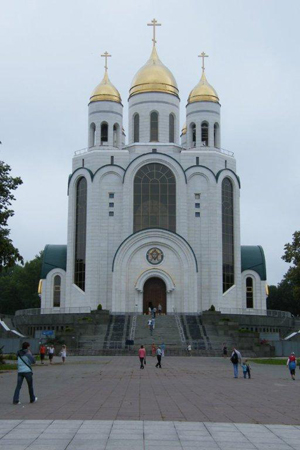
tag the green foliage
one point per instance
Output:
(68, 329)
(99, 307)
(243, 330)
(2, 360)
(85, 319)
(212, 308)
(286, 295)
(11, 357)
(18, 286)
(8, 367)
(9, 255)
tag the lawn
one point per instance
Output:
(274, 362)
(8, 367)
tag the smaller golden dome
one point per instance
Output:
(105, 91)
(184, 129)
(203, 92)
(154, 76)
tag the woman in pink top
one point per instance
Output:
(142, 355)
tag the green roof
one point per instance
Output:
(253, 258)
(55, 257)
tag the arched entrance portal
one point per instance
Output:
(155, 293)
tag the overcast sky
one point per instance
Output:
(50, 63)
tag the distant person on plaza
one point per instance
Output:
(158, 356)
(151, 328)
(25, 361)
(163, 348)
(248, 368)
(224, 350)
(51, 352)
(159, 309)
(149, 310)
(142, 356)
(236, 359)
(189, 349)
(43, 350)
(154, 312)
(292, 364)
(63, 353)
(153, 349)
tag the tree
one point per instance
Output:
(286, 296)
(18, 286)
(9, 255)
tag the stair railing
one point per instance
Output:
(179, 326)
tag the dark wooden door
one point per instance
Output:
(155, 293)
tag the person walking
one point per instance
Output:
(158, 356)
(159, 309)
(151, 328)
(51, 352)
(142, 356)
(63, 353)
(43, 350)
(292, 364)
(236, 359)
(25, 361)
(154, 312)
(189, 349)
(224, 350)
(163, 348)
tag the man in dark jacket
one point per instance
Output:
(25, 360)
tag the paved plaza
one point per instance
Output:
(192, 402)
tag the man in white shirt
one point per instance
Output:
(158, 356)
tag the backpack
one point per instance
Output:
(234, 359)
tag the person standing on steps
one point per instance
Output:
(236, 359)
(158, 356)
(142, 356)
(159, 309)
(25, 361)
(151, 328)
(292, 364)
(154, 312)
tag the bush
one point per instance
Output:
(85, 319)
(99, 307)
(212, 308)
(2, 360)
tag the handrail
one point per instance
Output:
(133, 328)
(179, 326)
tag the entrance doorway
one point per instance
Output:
(155, 293)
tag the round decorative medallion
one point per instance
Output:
(154, 256)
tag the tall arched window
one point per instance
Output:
(193, 134)
(80, 233)
(171, 128)
(249, 292)
(104, 132)
(154, 127)
(56, 291)
(116, 135)
(227, 234)
(154, 198)
(136, 128)
(216, 135)
(204, 134)
(92, 135)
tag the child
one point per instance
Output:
(248, 368)
(63, 353)
(244, 367)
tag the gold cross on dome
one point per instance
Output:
(106, 55)
(203, 55)
(154, 24)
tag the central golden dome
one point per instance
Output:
(154, 76)
(105, 91)
(203, 92)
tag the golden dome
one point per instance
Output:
(184, 129)
(154, 76)
(105, 91)
(203, 92)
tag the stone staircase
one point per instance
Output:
(166, 331)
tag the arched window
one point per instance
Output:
(154, 127)
(104, 132)
(216, 135)
(249, 292)
(154, 198)
(204, 134)
(116, 135)
(92, 135)
(227, 234)
(193, 134)
(80, 233)
(136, 128)
(171, 128)
(56, 291)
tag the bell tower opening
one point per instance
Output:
(155, 293)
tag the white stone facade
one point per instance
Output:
(116, 265)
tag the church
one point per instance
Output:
(154, 219)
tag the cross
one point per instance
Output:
(106, 55)
(154, 24)
(203, 55)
